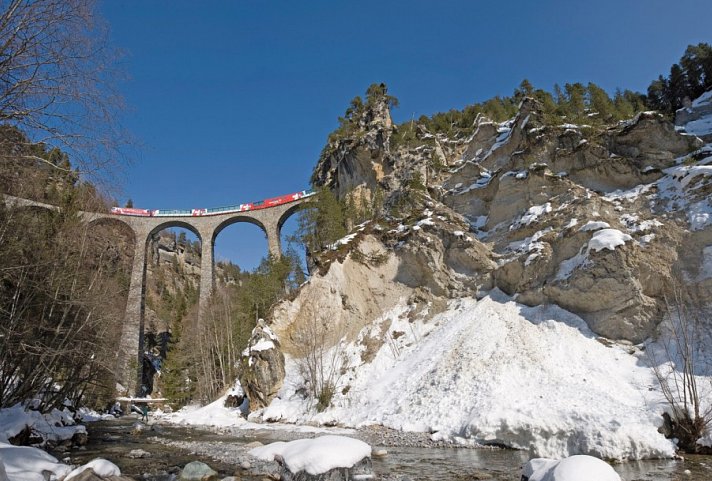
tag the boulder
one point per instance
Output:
(262, 366)
(197, 471)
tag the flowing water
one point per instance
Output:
(172, 447)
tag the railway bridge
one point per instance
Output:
(207, 224)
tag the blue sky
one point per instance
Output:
(232, 101)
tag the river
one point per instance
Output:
(171, 447)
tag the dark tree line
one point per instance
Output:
(689, 78)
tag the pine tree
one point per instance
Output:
(575, 102)
(600, 103)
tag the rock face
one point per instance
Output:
(506, 207)
(262, 366)
(357, 164)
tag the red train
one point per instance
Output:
(262, 204)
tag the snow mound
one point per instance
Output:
(213, 414)
(575, 468)
(53, 426)
(316, 456)
(496, 372)
(27, 464)
(100, 466)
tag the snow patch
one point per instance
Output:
(594, 225)
(316, 456)
(608, 239)
(533, 213)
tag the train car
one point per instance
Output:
(261, 204)
(131, 211)
(172, 213)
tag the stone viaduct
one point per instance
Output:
(207, 228)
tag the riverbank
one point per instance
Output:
(409, 455)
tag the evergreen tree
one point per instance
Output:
(688, 79)
(600, 103)
(525, 89)
(575, 106)
(322, 223)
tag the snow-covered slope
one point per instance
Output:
(495, 371)
(697, 118)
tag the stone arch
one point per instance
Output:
(235, 220)
(241, 218)
(111, 220)
(293, 209)
(174, 223)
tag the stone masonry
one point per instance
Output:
(207, 228)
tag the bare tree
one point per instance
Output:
(56, 78)
(679, 366)
(320, 357)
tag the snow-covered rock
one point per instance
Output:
(262, 366)
(574, 468)
(101, 467)
(319, 456)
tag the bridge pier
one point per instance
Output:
(207, 271)
(273, 240)
(130, 359)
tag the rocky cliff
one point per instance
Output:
(601, 221)
(593, 219)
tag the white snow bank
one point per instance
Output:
(316, 456)
(53, 426)
(213, 414)
(575, 468)
(100, 466)
(495, 371)
(608, 239)
(27, 464)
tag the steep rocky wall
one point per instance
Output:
(523, 189)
